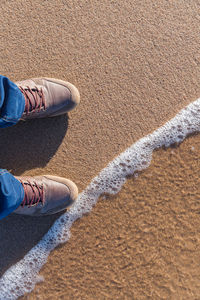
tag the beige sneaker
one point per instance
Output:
(47, 97)
(46, 195)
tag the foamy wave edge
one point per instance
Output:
(22, 277)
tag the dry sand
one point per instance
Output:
(136, 64)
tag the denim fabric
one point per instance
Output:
(12, 103)
(11, 193)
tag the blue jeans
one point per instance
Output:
(12, 104)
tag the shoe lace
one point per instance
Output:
(34, 99)
(33, 193)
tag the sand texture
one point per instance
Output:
(143, 243)
(136, 64)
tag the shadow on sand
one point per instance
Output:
(23, 147)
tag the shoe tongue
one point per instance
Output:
(31, 103)
(31, 193)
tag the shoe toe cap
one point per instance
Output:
(66, 92)
(63, 194)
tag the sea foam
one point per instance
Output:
(22, 277)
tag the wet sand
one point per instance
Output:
(136, 64)
(143, 243)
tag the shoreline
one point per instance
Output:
(144, 246)
(110, 181)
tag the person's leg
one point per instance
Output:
(12, 102)
(35, 98)
(11, 193)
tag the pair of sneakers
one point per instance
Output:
(47, 194)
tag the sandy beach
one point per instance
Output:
(136, 64)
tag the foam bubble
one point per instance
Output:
(22, 277)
